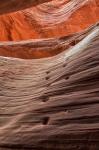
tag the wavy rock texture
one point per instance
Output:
(40, 48)
(53, 19)
(49, 20)
(52, 103)
(49, 103)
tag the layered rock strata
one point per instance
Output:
(52, 103)
(49, 20)
(49, 103)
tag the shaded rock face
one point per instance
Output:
(15, 5)
(50, 103)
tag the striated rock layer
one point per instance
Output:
(49, 103)
(48, 25)
(54, 19)
(52, 103)
(42, 47)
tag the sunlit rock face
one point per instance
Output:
(53, 19)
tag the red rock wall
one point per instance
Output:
(49, 20)
(35, 22)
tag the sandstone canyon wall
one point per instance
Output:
(49, 103)
(54, 19)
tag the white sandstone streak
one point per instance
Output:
(82, 45)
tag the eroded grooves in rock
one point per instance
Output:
(52, 103)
